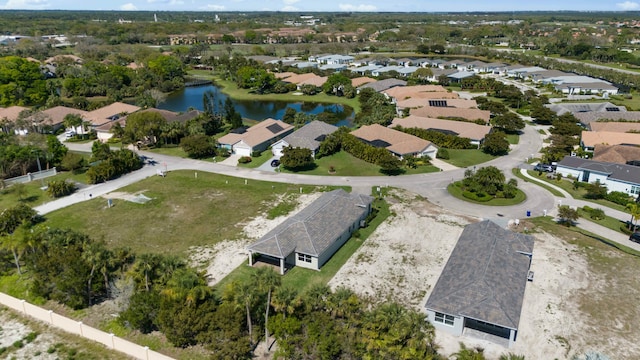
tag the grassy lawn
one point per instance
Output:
(259, 160)
(230, 88)
(457, 192)
(608, 222)
(300, 278)
(347, 165)
(184, 212)
(578, 193)
(518, 174)
(33, 195)
(513, 139)
(467, 157)
(169, 150)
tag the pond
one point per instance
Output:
(182, 100)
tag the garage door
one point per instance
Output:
(242, 151)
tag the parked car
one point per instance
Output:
(275, 163)
(543, 168)
(635, 237)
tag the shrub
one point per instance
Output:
(480, 197)
(596, 214)
(244, 160)
(18, 344)
(442, 154)
(619, 198)
(558, 176)
(60, 188)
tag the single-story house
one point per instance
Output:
(460, 75)
(616, 177)
(474, 132)
(404, 92)
(481, 288)
(452, 113)
(307, 137)
(10, 115)
(398, 143)
(589, 139)
(619, 154)
(309, 238)
(257, 138)
(355, 82)
(587, 118)
(615, 126)
(382, 85)
(578, 109)
(55, 115)
(110, 112)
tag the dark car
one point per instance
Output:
(635, 237)
(543, 168)
(275, 163)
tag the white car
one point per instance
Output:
(69, 134)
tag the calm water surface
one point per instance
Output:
(191, 97)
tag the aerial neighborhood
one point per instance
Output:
(288, 185)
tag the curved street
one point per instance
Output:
(432, 186)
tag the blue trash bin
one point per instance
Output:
(528, 213)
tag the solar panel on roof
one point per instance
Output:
(438, 103)
(275, 128)
(612, 109)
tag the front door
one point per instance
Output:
(585, 176)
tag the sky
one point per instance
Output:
(325, 5)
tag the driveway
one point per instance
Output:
(267, 165)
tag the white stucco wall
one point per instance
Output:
(456, 329)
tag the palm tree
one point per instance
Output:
(511, 356)
(284, 300)
(243, 294)
(634, 209)
(92, 254)
(17, 243)
(466, 353)
(266, 279)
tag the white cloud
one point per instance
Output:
(289, 8)
(213, 7)
(361, 7)
(628, 5)
(128, 7)
(290, 2)
(27, 4)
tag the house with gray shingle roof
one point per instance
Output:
(481, 288)
(616, 177)
(309, 238)
(307, 137)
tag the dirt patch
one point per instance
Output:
(222, 258)
(403, 258)
(137, 197)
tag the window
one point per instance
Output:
(444, 319)
(304, 258)
(635, 189)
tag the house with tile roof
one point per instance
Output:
(9, 116)
(474, 132)
(256, 138)
(482, 285)
(442, 112)
(54, 117)
(307, 137)
(589, 139)
(619, 154)
(310, 237)
(615, 126)
(405, 92)
(398, 143)
(110, 112)
(616, 177)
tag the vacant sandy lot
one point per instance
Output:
(402, 259)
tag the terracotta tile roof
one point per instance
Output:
(56, 115)
(431, 95)
(619, 154)
(105, 114)
(316, 81)
(257, 134)
(619, 127)
(107, 127)
(422, 102)
(404, 92)
(299, 78)
(447, 112)
(461, 128)
(398, 142)
(593, 138)
(284, 75)
(355, 82)
(11, 113)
